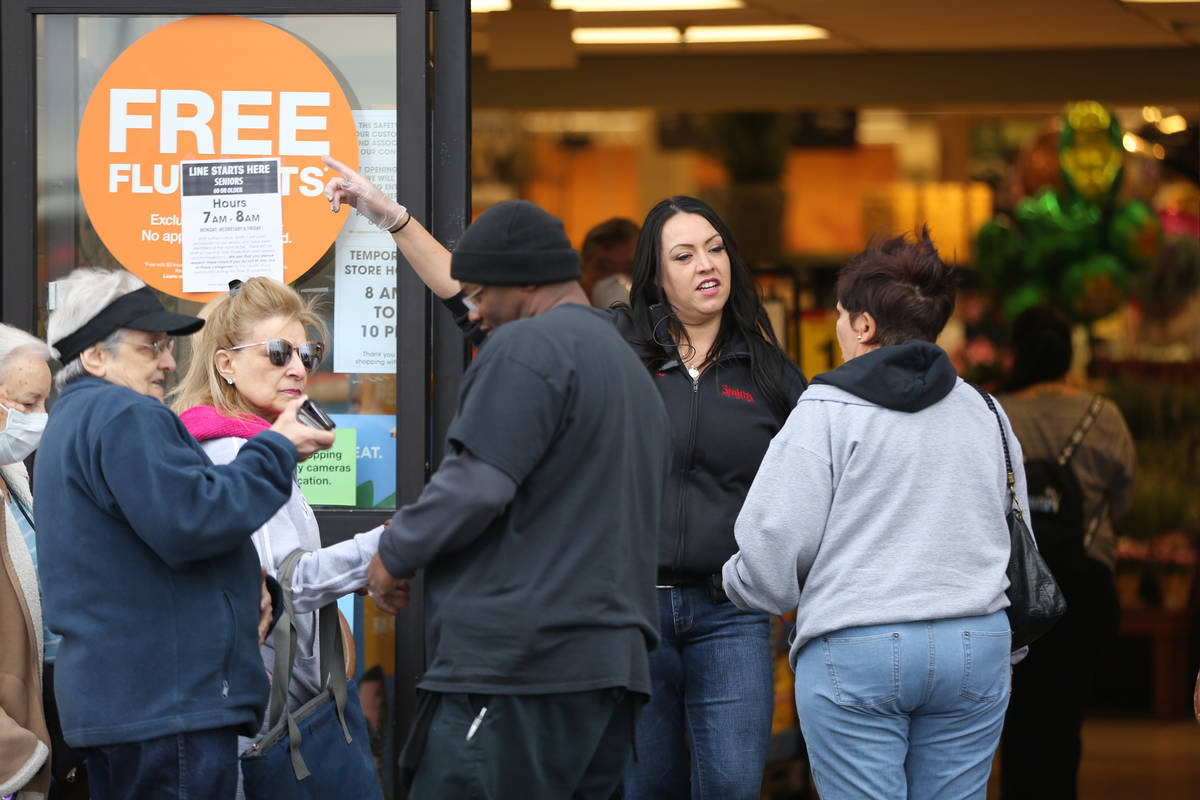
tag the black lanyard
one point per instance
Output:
(20, 502)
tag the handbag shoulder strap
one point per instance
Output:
(1081, 429)
(1012, 481)
(283, 639)
(332, 662)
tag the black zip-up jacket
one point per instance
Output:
(721, 426)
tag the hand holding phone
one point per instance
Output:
(314, 416)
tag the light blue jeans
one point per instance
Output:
(910, 710)
(706, 730)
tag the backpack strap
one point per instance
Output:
(1094, 524)
(1068, 450)
(1076, 437)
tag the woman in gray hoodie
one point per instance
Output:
(878, 515)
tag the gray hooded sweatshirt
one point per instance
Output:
(881, 500)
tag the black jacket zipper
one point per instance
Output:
(681, 515)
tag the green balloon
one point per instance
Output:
(1094, 287)
(1135, 234)
(1025, 296)
(995, 251)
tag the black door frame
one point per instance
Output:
(433, 124)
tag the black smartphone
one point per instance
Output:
(314, 416)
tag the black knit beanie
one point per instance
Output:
(514, 243)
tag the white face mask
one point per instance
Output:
(21, 435)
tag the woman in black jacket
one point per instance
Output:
(697, 323)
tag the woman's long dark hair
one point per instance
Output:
(743, 313)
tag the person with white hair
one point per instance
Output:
(25, 644)
(148, 570)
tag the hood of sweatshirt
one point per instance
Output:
(902, 377)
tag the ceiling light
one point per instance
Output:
(753, 33)
(1172, 124)
(1151, 113)
(484, 6)
(645, 5)
(663, 35)
(1132, 143)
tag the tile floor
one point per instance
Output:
(1124, 758)
(1140, 758)
(1136, 758)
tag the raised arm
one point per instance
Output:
(429, 259)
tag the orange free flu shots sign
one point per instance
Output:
(209, 88)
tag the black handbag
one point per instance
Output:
(1035, 601)
(321, 749)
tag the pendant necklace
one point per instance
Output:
(695, 373)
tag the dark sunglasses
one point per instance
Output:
(279, 351)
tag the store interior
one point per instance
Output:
(1051, 149)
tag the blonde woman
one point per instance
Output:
(253, 357)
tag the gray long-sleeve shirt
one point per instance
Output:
(455, 507)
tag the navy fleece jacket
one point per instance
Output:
(147, 569)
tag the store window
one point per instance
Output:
(118, 123)
(392, 364)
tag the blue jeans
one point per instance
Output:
(199, 765)
(906, 710)
(713, 693)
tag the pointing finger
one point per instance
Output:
(338, 166)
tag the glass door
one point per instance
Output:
(106, 108)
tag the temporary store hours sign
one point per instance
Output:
(206, 89)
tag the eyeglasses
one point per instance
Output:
(469, 300)
(157, 346)
(279, 351)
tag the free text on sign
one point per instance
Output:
(173, 96)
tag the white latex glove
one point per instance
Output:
(359, 193)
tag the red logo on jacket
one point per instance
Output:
(736, 393)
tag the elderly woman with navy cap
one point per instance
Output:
(144, 549)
